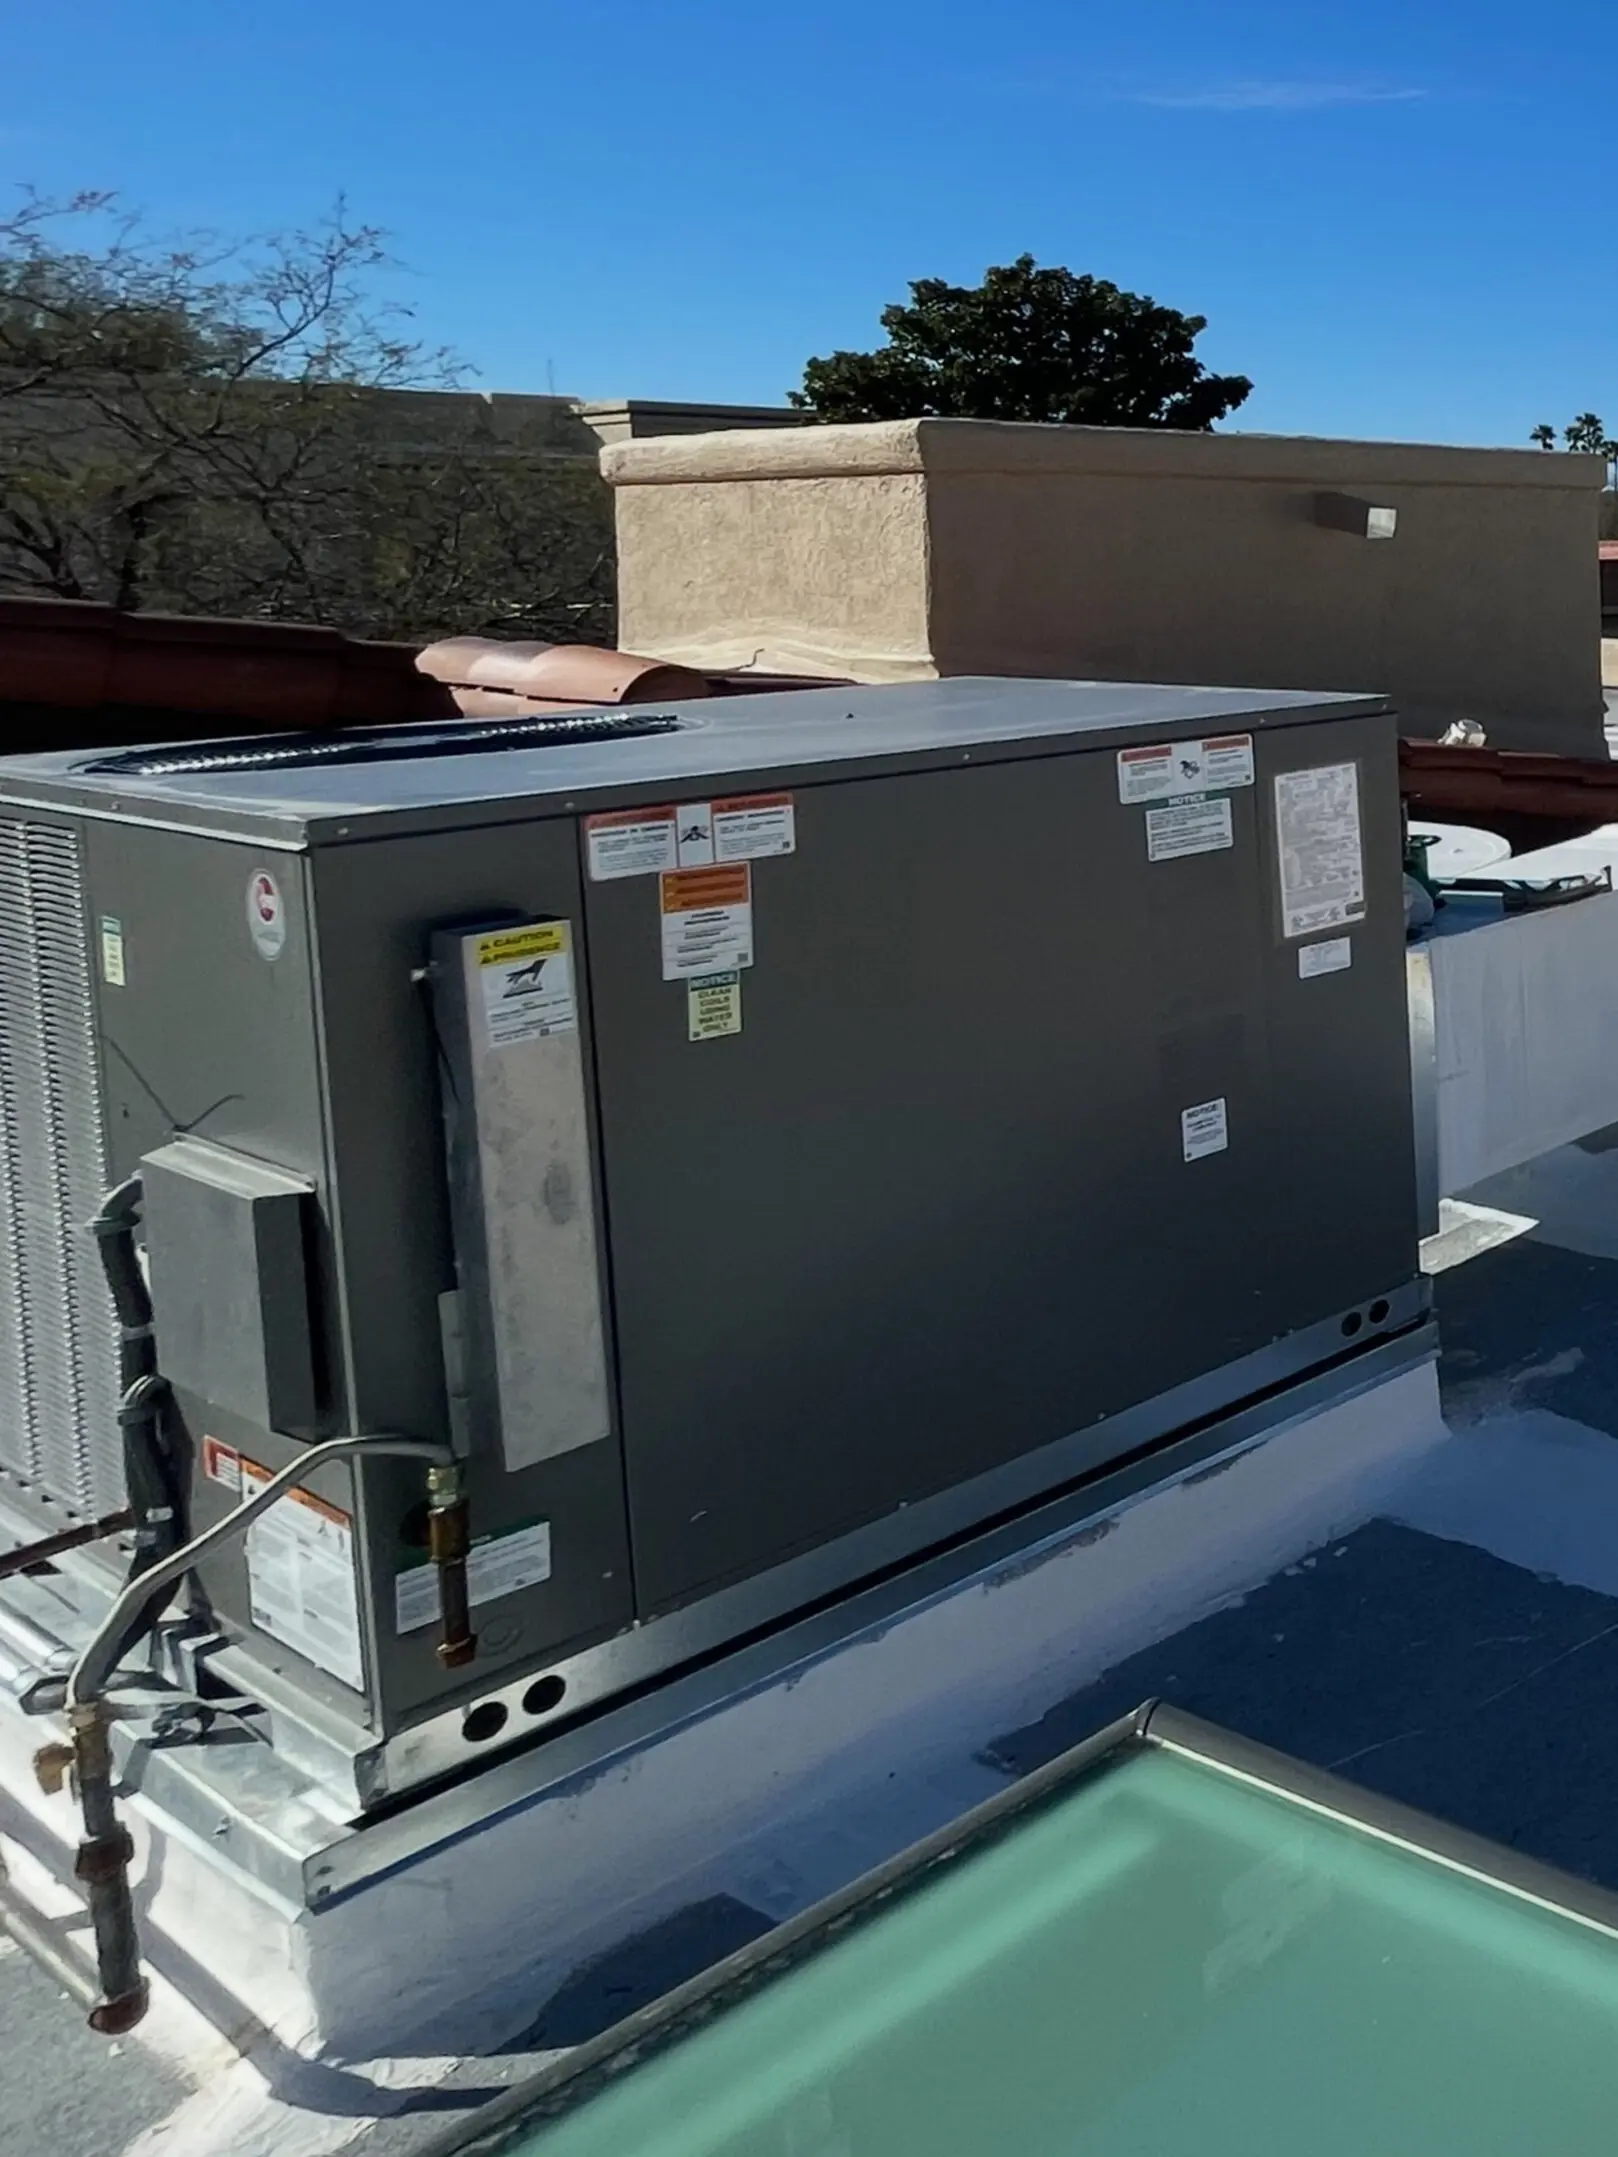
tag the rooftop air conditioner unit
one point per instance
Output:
(767, 1139)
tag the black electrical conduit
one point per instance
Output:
(154, 1469)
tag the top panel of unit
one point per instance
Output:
(309, 788)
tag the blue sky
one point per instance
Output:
(1398, 215)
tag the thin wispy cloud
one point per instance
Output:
(1269, 96)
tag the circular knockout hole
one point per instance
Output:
(483, 1722)
(1379, 1310)
(1351, 1325)
(544, 1695)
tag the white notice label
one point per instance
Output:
(707, 921)
(1185, 767)
(301, 1586)
(1188, 827)
(112, 952)
(713, 1007)
(754, 827)
(1331, 957)
(630, 842)
(498, 1567)
(1204, 1129)
(527, 977)
(1317, 836)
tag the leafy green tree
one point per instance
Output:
(1028, 344)
(1588, 435)
(225, 428)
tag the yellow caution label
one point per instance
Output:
(509, 947)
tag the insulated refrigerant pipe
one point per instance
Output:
(154, 1481)
(105, 1854)
(27, 1555)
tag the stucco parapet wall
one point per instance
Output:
(939, 447)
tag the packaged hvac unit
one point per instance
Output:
(769, 1138)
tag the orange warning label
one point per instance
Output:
(616, 819)
(254, 1478)
(707, 921)
(687, 891)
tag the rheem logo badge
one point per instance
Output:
(266, 914)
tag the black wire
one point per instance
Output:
(154, 1463)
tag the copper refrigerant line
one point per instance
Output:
(106, 1852)
(28, 1555)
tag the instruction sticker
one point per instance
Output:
(754, 828)
(630, 842)
(1317, 834)
(527, 977)
(498, 1566)
(1331, 957)
(707, 921)
(1185, 767)
(112, 952)
(301, 1584)
(1204, 1129)
(713, 1007)
(1188, 827)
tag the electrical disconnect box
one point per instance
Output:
(766, 1138)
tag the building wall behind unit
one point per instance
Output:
(948, 547)
(1480, 606)
(824, 573)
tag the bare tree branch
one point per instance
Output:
(202, 425)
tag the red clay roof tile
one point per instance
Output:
(76, 674)
(568, 673)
